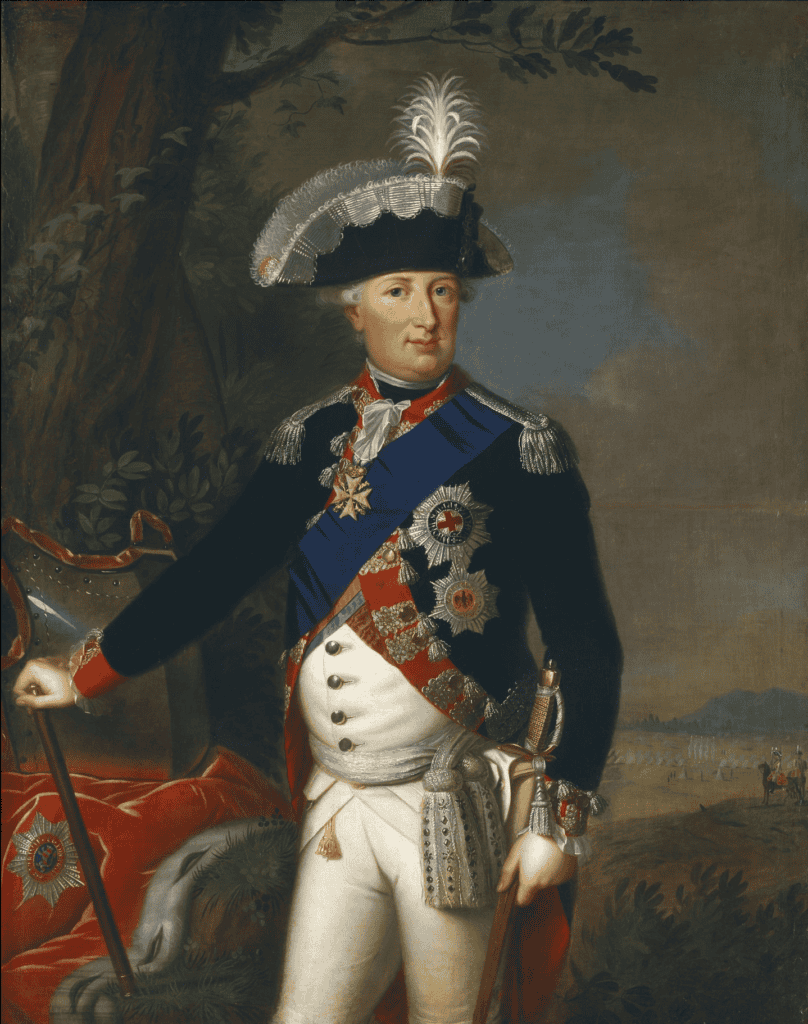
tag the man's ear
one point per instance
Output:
(354, 315)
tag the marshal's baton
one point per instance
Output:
(536, 743)
(84, 849)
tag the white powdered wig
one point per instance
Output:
(440, 126)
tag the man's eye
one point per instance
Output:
(396, 292)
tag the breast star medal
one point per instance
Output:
(465, 600)
(351, 492)
(46, 860)
(450, 525)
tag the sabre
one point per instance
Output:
(547, 694)
(84, 849)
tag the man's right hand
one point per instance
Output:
(45, 683)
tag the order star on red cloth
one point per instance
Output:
(133, 826)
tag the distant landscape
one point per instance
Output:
(739, 711)
(693, 908)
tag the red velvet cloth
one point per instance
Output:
(133, 826)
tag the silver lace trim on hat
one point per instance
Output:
(310, 221)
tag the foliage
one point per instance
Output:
(223, 217)
(531, 43)
(705, 959)
(18, 187)
(50, 280)
(169, 476)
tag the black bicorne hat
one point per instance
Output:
(364, 219)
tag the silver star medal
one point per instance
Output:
(46, 860)
(465, 600)
(450, 525)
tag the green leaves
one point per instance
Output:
(516, 19)
(581, 46)
(702, 960)
(128, 199)
(177, 135)
(130, 174)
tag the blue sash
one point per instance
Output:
(401, 476)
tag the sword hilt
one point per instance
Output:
(547, 694)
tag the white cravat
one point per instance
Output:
(377, 418)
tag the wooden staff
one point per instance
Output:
(84, 849)
(499, 939)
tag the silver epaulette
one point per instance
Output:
(286, 442)
(541, 448)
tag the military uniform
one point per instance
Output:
(506, 533)
(419, 527)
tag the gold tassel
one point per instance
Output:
(328, 846)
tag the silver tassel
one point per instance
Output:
(338, 443)
(438, 649)
(405, 541)
(314, 519)
(540, 823)
(286, 443)
(597, 803)
(542, 450)
(426, 627)
(326, 478)
(406, 574)
(564, 789)
(453, 864)
(489, 821)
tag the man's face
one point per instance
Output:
(410, 322)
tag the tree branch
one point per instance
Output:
(230, 87)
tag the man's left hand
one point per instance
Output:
(538, 863)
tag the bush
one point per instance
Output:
(706, 959)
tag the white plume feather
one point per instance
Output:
(440, 126)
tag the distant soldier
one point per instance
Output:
(776, 765)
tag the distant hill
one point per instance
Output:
(742, 711)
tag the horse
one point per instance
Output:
(794, 785)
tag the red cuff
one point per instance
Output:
(96, 676)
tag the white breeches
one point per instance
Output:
(357, 919)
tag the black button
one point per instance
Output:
(338, 717)
(332, 647)
(334, 682)
(345, 745)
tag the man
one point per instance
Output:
(418, 549)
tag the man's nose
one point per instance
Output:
(424, 312)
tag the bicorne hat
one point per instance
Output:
(375, 217)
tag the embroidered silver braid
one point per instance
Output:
(286, 442)
(541, 447)
(454, 855)
(477, 775)
(503, 720)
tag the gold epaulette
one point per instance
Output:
(286, 442)
(542, 449)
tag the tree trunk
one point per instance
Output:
(103, 331)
